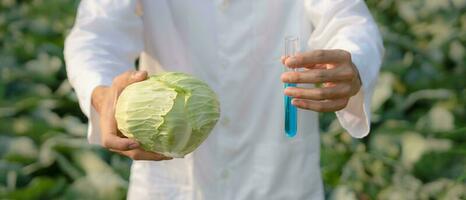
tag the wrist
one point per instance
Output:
(98, 96)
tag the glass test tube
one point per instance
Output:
(291, 113)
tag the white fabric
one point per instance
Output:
(234, 46)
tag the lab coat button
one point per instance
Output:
(225, 174)
(225, 121)
(224, 5)
(224, 63)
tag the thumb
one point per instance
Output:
(127, 78)
(137, 76)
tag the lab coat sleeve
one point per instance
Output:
(348, 25)
(104, 42)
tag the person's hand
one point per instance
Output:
(333, 69)
(104, 101)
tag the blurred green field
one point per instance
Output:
(416, 150)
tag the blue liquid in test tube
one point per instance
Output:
(291, 113)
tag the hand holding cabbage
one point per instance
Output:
(171, 114)
(104, 100)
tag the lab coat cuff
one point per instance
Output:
(84, 89)
(93, 129)
(355, 117)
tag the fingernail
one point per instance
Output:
(291, 60)
(284, 78)
(286, 91)
(133, 145)
(137, 74)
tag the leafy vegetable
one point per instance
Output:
(171, 113)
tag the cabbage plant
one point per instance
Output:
(170, 113)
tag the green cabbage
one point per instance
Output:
(171, 113)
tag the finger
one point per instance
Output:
(338, 74)
(283, 59)
(122, 81)
(337, 92)
(321, 106)
(112, 141)
(311, 58)
(140, 154)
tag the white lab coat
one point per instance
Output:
(235, 46)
